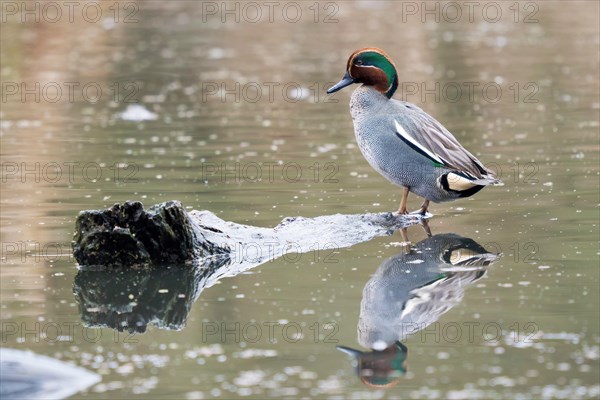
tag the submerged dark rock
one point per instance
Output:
(128, 235)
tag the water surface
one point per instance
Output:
(535, 312)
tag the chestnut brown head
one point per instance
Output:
(372, 67)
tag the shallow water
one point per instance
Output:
(273, 331)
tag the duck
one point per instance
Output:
(409, 147)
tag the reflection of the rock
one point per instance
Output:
(407, 293)
(128, 299)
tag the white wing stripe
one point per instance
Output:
(405, 135)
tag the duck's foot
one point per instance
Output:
(422, 212)
(424, 207)
(419, 213)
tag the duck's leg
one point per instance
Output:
(402, 209)
(405, 246)
(425, 226)
(404, 235)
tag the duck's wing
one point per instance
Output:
(428, 302)
(426, 135)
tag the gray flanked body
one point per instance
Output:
(384, 129)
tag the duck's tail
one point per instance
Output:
(465, 184)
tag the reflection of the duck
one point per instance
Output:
(408, 292)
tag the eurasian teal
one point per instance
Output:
(402, 142)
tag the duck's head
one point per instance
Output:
(379, 368)
(372, 67)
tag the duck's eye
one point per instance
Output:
(358, 62)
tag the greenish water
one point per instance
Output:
(534, 314)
